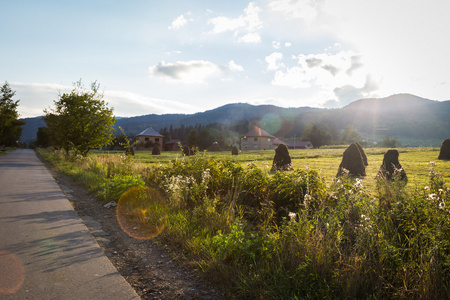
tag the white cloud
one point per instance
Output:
(325, 70)
(250, 38)
(305, 10)
(276, 44)
(401, 41)
(127, 104)
(272, 61)
(235, 67)
(36, 97)
(194, 71)
(244, 27)
(179, 22)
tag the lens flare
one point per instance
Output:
(11, 275)
(142, 212)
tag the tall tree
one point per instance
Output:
(318, 137)
(80, 120)
(10, 125)
(350, 135)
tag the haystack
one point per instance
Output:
(445, 150)
(363, 155)
(391, 166)
(352, 162)
(234, 150)
(282, 160)
(156, 150)
(215, 147)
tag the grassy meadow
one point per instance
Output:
(301, 234)
(415, 161)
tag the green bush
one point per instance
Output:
(113, 188)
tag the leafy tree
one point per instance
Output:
(350, 135)
(318, 137)
(10, 125)
(389, 142)
(205, 138)
(80, 120)
(192, 139)
(42, 137)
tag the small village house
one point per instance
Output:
(148, 138)
(258, 139)
(173, 145)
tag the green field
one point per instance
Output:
(415, 161)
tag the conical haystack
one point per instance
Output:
(352, 162)
(282, 160)
(234, 151)
(445, 150)
(363, 155)
(391, 166)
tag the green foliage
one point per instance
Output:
(80, 120)
(317, 136)
(43, 137)
(350, 135)
(290, 235)
(113, 188)
(10, 126)
(389, 142)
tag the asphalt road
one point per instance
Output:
(46, 252)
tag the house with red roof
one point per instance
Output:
(257, 139)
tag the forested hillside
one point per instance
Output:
(412, 120)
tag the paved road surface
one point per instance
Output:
(46, 252)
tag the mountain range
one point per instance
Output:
(412, 120)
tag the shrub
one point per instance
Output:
(113, 188)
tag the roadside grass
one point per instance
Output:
(5, 150)
(297, 234)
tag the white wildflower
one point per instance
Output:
(432, 163)
(441, 205)
(292, 215)
(432, 196)
(358, 184)
(426, 188)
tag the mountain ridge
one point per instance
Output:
(403, 116)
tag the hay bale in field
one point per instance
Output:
(215, 147)
(445, 150)
(281, 160)
(234, 150)
(156, 150)
(352, 162)
(363, 155)
(391, 167)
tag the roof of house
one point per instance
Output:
(299, 144)
(257, 132)
(150, 132)
(175, 141)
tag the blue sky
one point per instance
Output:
(190, 56)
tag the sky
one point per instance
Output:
(178, 56)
